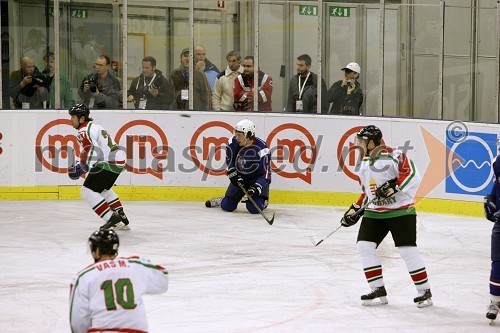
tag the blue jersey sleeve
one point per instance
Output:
(231, 152)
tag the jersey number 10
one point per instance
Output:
(121, 292)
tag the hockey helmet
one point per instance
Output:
(246, 127)
(80, 110)
(370, 132)
(106, 240)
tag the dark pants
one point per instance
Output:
(235, 194)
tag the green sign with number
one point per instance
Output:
(308, 10)
(340, 11)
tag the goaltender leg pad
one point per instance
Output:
(495, 278)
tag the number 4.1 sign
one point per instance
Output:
(220, 4)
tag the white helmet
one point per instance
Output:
(245, 126)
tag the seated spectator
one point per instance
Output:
(66, 94)
(203, 64)
(151, 90)
(29, 86)
(180, 79)
(243, 88)
(222, 92)
(346, 95)
(101, 90)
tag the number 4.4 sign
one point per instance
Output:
(340, 11)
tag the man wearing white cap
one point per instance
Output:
(346, 95)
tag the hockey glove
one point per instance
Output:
(387, 189)
(235, 177)
(490, 209)
(76, 171)
(352, 216)
(254, 190)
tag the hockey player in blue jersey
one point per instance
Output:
(492, 213)
(248, 165)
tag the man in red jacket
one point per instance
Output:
(243, 89)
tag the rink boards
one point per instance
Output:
(181, 156)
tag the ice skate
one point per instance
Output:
(123, 216)
(492, 313)
(376, 297)
(113, 221)
(214, 202)
(424, 298)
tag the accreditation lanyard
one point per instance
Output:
(301, 89)
(185, 77)
(150, 82)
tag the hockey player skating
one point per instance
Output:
(100, 154)
(492, 213)
(107, 295)
(248, 165)
(391, 178)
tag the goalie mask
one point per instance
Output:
(106, 240)
(246, 127)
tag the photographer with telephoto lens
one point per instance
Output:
(346, 95)
(101, 90)
(28, 87)
(151, 90)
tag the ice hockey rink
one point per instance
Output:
(232, 272)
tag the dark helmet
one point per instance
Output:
(106, 240)
(80, 110)
(370, 132)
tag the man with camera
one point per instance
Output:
(28, 87)
(151, 90)
(346, 95)
(101, 90)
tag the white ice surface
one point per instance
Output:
(232, 272)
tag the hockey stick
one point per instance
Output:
(270, 221)
(360, 211)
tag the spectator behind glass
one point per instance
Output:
(35, 46)
(101, 90)
(28, 86)
(151, 90)
(203, 64)
(180, 79)
(67, 100)
(85, 51)
(222, 93)
(346, 95)
(243, 88)
(303, 89)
